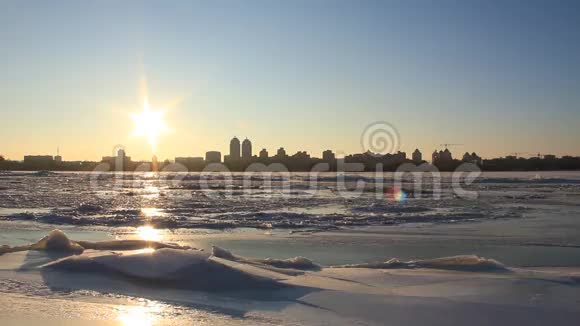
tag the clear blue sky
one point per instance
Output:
(498, 76)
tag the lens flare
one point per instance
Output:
(396, 194)
(400, 196)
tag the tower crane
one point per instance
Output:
(447, 145)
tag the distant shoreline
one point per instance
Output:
(294, 171)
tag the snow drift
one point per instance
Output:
(176, 268)
(459, 263)
(300, 263)
(171, 265)
(57, 241)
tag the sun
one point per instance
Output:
(149, 124)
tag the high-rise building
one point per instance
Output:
(435, 157)
(445, 156)
(466, 157)
(58, 158)
(121, 154)
(328, 156)
(119, 162)
(234, 149)
(213, 157)
(263, 153)
(247, 149)
(281, 152)
(301, 155)
(442, 157)
(417, 156)
(472, 158)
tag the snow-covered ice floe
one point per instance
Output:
(221, 287)
(164, 260)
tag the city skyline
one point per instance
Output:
(261, 152)
(241, 158)
(500, 78)
(244, 152)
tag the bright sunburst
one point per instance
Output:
(149, 124)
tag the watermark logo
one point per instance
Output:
(386, 173)
(380, 138)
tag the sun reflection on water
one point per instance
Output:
(139, 315)
(148, 233)
(152, 212)
(151, 192)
